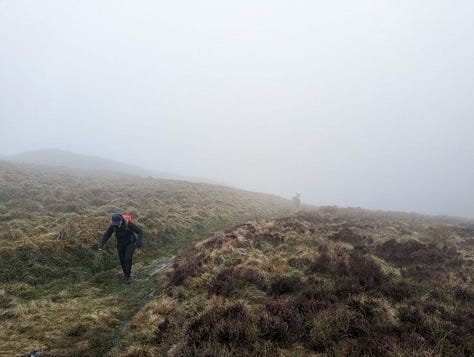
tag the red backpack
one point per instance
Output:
(127, 218)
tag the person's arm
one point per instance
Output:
(134, 228)
(106, 236)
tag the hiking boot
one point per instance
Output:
(127, 280)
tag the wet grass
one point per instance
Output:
(59, 294)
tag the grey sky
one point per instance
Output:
(351, 103)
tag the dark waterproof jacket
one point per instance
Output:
(124, 236)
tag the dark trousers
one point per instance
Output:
(125, 253)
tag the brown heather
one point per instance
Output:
(327, 281)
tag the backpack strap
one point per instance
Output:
(126, 223)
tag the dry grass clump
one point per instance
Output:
(399, 290)
(329, 327)
(5, 299)
(281, 321)
(67, 326)
(228, 324)
(273, 239)
(347, 235)
(231, 281)
(421, 261)
(409, 251)
(188, 265)
(150, 326)
(286, 285)
(352, 271)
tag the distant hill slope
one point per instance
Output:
(54, 157)
(62, 158)
(330, 282)
(55, 285)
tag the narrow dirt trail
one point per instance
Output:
(143, 284)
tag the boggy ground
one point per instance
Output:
(326, 282)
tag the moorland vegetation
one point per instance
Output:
(62, 297)
(325, 282)
(224, 273)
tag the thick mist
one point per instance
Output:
(365, 103)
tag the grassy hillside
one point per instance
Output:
(55, 157)
(61, 296)
(328, 282)
(71, 160)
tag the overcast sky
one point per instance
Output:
(351, 103)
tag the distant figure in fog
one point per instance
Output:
(124, 230)
(297, 201)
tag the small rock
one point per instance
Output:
(244, 251)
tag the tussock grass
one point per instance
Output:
(333, 282)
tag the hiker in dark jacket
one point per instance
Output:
(126, 241)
